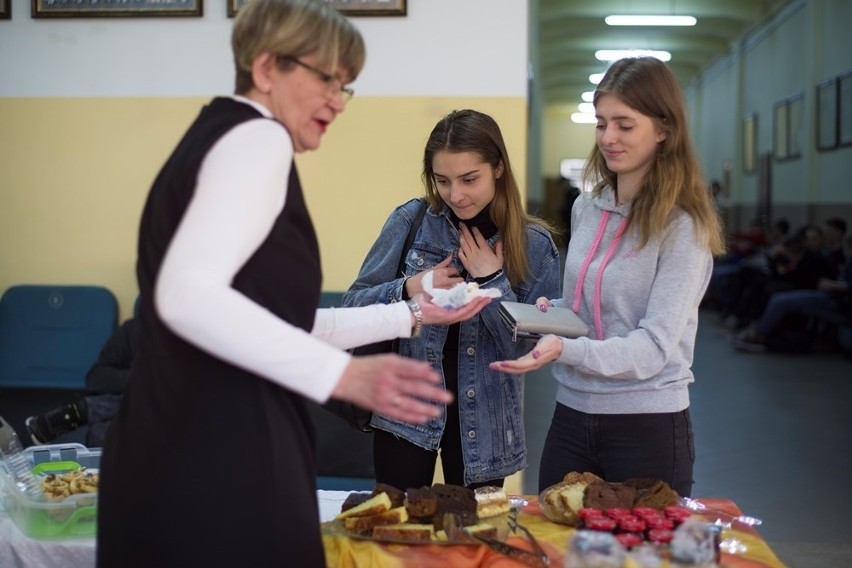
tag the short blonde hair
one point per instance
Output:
(295, 28)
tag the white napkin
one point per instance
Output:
(457, 296)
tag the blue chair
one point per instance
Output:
(51, 335)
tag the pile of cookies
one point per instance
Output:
(57, 487)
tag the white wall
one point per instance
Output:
(441, 48)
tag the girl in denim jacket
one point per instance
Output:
(474, 230)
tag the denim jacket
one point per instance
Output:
(490, 409)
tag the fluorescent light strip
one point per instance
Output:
(595, 78)
(586, 108)
(616, 54)
(624, 20)
(583, 118)
(588, 96)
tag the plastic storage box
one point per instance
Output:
(75, 516)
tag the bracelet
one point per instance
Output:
(418, 317)
(489, 278)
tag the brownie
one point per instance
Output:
(421, 503)
(605, 495)
(457, 500)
(397, 496)
(652, 492)
(354, 499)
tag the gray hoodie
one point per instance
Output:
(641, 306)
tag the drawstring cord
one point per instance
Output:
(578, 290)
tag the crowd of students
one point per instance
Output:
(781, 292)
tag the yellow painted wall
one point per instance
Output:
(74, 173)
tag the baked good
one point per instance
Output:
(397, 496)
(652, 492)
(372, 506)
(470, 533)
(405, 532)
(454, 500)
(58, 486)
(584, 477)
(421, 502)
(366, 524)
(353, 499)
(490, 501)
(605, 495)
(562, 501)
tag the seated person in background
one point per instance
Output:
(105, 382)
(832, 296)
(833, 233)
(797, 265)
(749, 252)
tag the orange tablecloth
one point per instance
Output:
(343, 552)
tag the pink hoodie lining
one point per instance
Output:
(578, 290)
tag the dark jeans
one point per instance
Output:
(101, 409)
(403, 465)
(619, 446)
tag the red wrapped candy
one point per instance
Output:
(616, 512)
(644, 512)
(659, 522)
(631, 524)
(660, 536)
(629, 540)
(605, 524)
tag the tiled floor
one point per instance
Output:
(773, 433)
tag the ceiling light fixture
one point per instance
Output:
(595, 78)
(623, 20)
(586, 108)
(588, 96)
(615, 54)
(583, 118)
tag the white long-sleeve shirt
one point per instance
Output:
(237, 198)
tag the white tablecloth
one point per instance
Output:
(19, 551)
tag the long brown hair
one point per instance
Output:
(472, 131)
(675, 179)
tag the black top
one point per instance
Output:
(208, 464)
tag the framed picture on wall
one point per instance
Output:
(749, 143)
(115, 8)
(348, 7)
(779, 131)
(5, 9)
(826, 123)
(795, 108)
(844, 94)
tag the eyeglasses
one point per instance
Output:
(334, 84)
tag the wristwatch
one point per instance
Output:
(418, 317)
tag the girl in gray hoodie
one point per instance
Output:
(639, 261)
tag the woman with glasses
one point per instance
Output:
(210, 461)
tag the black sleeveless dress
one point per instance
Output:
(208, 464)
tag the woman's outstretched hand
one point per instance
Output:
(436, 315)
(393, 386)
(546, 350)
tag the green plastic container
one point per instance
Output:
(75, 516)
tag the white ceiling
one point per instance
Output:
(572, 30)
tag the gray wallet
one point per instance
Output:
(526, 321)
